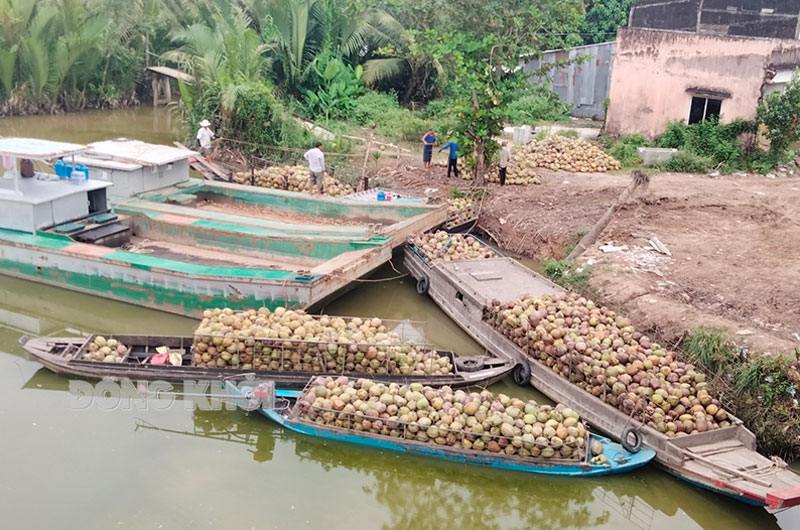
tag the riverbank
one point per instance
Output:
(733, 243)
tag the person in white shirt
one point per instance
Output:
(502, 162)
(204, 136)
(316, 165)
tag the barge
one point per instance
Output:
(181, 245)
(724, 460)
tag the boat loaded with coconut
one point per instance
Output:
(594, 361)
(285, 346)
(179, 244)
(475, 428)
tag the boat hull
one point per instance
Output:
(40, 350)
(620, 460)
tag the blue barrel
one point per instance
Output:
(381, 195)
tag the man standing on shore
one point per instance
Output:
(316, 166)
(427, 147)
(502, 162)
(204, 136)
(452, 159)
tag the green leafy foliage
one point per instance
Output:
(602, 19)
(625, 149)
(709, 347)
(331, 88)
(688, 162)
(780, 114)
(540, 104)
(566, 273)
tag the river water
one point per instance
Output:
(162, 463)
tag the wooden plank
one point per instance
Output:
(209, 170)
(706, 449)
(725, 469)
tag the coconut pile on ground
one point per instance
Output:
(561, 152)
(441, 246)
(105, 350)
(296, 178)
(521, 170)
(480, 421)
(601, 352)
(294, 340)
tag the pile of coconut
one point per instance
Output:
(601, 352)
(477, 421)
(286, 339)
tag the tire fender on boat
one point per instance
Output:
(522, 374)
(631, 440)
(423, 284)
(469, 364)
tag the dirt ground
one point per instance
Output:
(734, 244)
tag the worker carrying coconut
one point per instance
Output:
(502, 162)
(204, 137)
(452, 159)
(316, 165)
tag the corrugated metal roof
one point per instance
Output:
(137, 152)
(37, 149)
(170, 72)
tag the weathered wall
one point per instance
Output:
(753, 18)
(583, 85)
(654, 72)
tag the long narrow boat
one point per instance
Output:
(618, 459)
(65, 356)
(724, 460)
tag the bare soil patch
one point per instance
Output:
(734, 240)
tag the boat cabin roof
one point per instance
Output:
(38, 149)
(128, 155)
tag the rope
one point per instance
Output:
(286, 149)
(373, 280)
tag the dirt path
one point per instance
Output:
(735, 245)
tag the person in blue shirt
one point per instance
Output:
(452, 162)
(427, 147)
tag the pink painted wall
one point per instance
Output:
(653, 69)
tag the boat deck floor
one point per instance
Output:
(227, 205)
(498, 279)
(215, 258)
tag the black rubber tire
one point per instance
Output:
(423, 284)
(631, 433)
(469, 364)
(522, 374)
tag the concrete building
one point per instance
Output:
(664, 76)
(583, 81)
(745, 18)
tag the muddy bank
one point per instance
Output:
(733, 241)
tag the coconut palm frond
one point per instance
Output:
(384, 69)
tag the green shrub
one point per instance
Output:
(709, 348)
(674, 137)
(686, 162)
(569, 134)
(541, 104)
(565, 273)
(625, 149)
(373, 107)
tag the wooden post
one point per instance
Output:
(155, 90)
(167, 89)
(367, 152)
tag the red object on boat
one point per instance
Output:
(159, 359)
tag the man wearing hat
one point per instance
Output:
(204, 136)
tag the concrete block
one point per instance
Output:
(655, 155)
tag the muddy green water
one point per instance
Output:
(151, 464)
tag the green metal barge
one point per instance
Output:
(189, 244)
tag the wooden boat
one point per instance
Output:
(64, 356)
(724, 460)
(618, 459)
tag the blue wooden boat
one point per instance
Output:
(618, 459)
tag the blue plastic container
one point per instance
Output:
(381, 195)
(85, 170)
